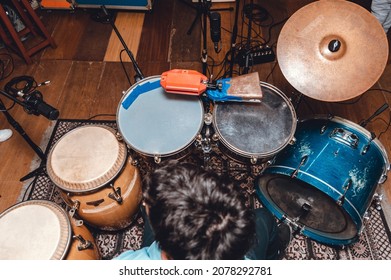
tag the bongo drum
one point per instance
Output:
(42, 230)
(96, 177)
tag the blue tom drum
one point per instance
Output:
(324, 182)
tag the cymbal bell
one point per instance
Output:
(332, 50)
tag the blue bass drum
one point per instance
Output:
(323, 184)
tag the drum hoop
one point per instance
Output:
(97, 183)
(307, 230)
(361, 129)
(300, 172)
(266, 154)
(155, 155)
(65, 224)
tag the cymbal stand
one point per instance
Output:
(21, 131)
(203, 9)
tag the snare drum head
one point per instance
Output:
(86, 158)
(34, 230)
(256, 129)
(156, 123)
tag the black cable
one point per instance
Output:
(124, 68)
(387, 127)
(101, 115)
(3, 66)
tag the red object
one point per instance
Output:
(181, 81)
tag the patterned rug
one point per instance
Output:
(374, 242)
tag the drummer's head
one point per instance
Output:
(197, 215)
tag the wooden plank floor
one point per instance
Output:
(87, 77)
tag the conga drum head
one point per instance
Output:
(86, 158)
(34, 230)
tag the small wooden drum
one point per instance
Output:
(94, 172)
(42, 230)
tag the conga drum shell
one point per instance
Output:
(74, 253)
(99, 210)
(91, 167)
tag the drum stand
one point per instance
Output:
(20, 130)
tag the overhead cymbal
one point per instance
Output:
(332, 50)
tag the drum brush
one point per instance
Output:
(245, 88)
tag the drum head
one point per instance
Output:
(317, 212)
(157, 123)
(86, 158)
(34, 230)
(257, 130)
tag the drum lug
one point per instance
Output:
(302, 162)
(157, 159)
(382, 179)
(293, 141)
(367, 146)
(119, 137)
(377, 199)
(116, 194)
(341, 199)
(208, 118)
(253, 160)
(83, 244)
(74, 208)
(323, 129)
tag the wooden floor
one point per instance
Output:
(88, 79)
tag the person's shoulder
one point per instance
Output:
(152, 252)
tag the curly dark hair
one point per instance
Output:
(195, 214)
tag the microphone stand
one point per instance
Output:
(139, 75)
(21, 131)
(378, 112)
(203, 9)
(247, 67)
(233, 39)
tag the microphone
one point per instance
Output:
(34, 104)
(215, 29)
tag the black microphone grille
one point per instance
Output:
(215, 26)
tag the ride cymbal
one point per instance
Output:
(332, 50)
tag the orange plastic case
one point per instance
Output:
(182, 81)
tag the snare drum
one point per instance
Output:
(157, 124)
(96, 176)
(324, 183)
(42, 230)
(255, 131)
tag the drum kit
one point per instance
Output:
(320, 174)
